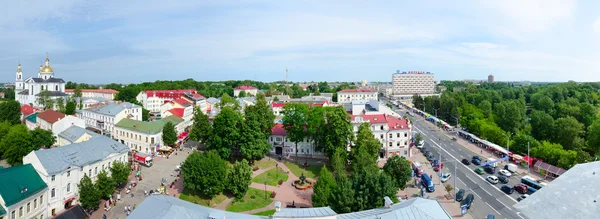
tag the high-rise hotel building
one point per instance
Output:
(413, 82)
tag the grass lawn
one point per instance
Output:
(198, 199)
(271, 177)
(312, 171)
(264, 164)
(266, 213)
(254, 198)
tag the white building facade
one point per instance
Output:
(27, 90)
(62, 168)
(57, 122)
(153, 99)
(145, 137)
(349, 95)
(108, 94)
(105, 115)
(252, 91)
(22, 199)
(394, 134)
(413, 82)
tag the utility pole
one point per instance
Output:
(528, 158)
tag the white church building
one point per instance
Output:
(27, 91)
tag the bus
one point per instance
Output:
(527, 180)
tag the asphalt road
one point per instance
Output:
(489, 199)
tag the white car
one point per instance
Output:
(505, 173)
(445, 177)
(492, 179)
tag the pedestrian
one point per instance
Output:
(125, 209)
(129, 207)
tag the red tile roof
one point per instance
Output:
(198, 96)
(393, 122)
(373, 119)
(27, 109)
(177, 112)
(275, 104)
(245, 87)
(105, 91)
(171, 94)
(182, 101)
(362, 90)
(51, 116)
(278, 130)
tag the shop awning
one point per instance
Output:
(549, 168)
(183, 135)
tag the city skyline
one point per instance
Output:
(549, 41)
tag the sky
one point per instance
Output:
(135, 41)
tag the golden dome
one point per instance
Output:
(47, 69)
(19, 68)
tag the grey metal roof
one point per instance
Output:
(417, 208)
(26, 91)
(55, 94)
(111, 108)
(574, 194)
(55, 80)
(304, 212)
(163, 207)
(73, 133)
(213, 100)
(98, 99)
(57, 159)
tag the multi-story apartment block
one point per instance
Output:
(349, 95)
(197, 100)
(252, 91)
(413, 82)
(153, 99)
(62, 168)
(105, 115)
(394, 133)
(23, 193)
(108, 94)
(145, 137)
(57, 122)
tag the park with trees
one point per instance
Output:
(560, 121)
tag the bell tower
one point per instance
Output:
(19, 79)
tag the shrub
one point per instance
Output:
(255, 168)
(252, 197)
(280, 181)
(273, 194)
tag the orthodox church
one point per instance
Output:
(28, 90)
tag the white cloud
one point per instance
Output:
(533, 15)
(596, 25)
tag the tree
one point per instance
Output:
(41, 138)
(261, 112)
(45, 100)
(568, 133)
(228, 101)
(542, 102)
(77, 92)
(593, 140)
(363, 161)
(226, 132)
(119, 172)
(201, 129)
(60, 104)
(89, 195)
(253, 144)
(338, 162)
(399, 169)
(10, 111)
(206, 181)
(519, 143)
(70, 108)
(486, 108)
(315, 127)
(418, 138)
(338, 130)
(239, 178)
(542, 125)
(323, 189)
(511, 115)
(588, 113)
(294, 122)
(169, 135)
(366, 139)
(242, 94)
(342, 197)
(81, 105)
(145, 114)
(418, 102)
(16, 144)
(105, 184)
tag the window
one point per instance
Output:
(96, 171)
(398, 135)
(13, 214)
(56, 88)
(35, 203)
(390, 144)
(271, 138)
(68, 173)
(405, 134)
(381, 127)
(146, 139)
(41, 200)
(391, 135)
(41, 216)
(21, 211)
(152, 140)
(53, 177)
(28, 207)
(301, 150)
(52, 193)
(68, 187)
(103, 166)
(381, 136)
(90, 173)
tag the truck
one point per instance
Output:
(143, 159)
(427, 183)
(417, 168)
(511, 167)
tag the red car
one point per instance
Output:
(436, 168)
(521, 188)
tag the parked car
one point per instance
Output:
(521, 188)
(468, 200)
(476, 158)
(492, 179)
(436, 168)
(507, 189)
(479, 171)
(445, 177)
(466, 162)
(430, 158)
(435, 162)
(503, 179)
(476, 162)
(490, 169)
(490, 216)
(505, 173)
(460, 195)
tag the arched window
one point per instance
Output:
(68, 187)
(53, 193)
(56, 89)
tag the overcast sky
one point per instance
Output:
(133, 41)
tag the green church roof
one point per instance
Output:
(19, 183)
